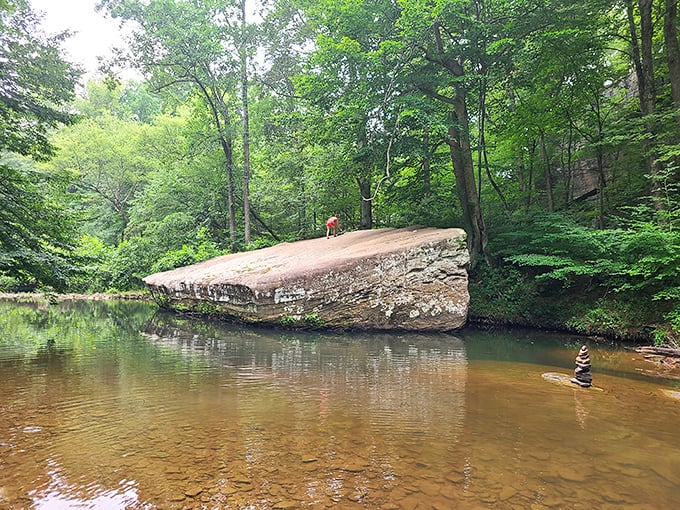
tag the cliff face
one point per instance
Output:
(411, 278)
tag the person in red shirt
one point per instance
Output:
(332, 223)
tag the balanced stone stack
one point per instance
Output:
(582, 375)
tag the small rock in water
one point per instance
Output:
(285, 505)
(672, 394)
(582, 375)
(193, 491)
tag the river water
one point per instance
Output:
(113, 405)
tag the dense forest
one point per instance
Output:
(549, 130)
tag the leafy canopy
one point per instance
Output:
(35, 83)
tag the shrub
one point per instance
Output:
(501, 294)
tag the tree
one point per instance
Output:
(443, 38)
(646, 48)
(190, 47)
(672, 47)
(244, 49)
(35, 84)
(127, 101)
(558, 88)
(107, 158)
(349, 81)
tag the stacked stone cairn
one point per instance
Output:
(582, 375)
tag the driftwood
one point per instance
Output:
(660, 351)
(666, 359)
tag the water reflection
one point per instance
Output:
(114, 406)
(334, 409)
(56, 498)
(395, 377)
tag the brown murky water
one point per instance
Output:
(110, 406)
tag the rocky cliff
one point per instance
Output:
(411, 278)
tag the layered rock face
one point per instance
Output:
(410, 278)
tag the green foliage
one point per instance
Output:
(347, 86)
(163, 300)
(501, 294)
(94, 276)
(671, 335)
(660, 338)
(35, 83)
(207, 308)
(128, 101)
(143, 203)
(122, 267)
(202, 249)
(36, 229)
(629, 275)
(309, 321)
(644, 260)
(129, 263)
(312, 320)
(261, 242)
(288, 321)
(606, 317)
(109, 161)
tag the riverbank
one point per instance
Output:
(97, 296)
(484, 314)
(518, 301)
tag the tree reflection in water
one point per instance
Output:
(112, 405)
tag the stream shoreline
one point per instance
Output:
(639, 338)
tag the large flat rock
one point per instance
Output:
(409, 278)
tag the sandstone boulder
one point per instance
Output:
(411, 278)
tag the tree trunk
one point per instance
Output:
(461, 155)
(635, 49)
(643, 60)
(459, 173)
(670, 33)
(528, 185)
(220, 114)
(647, 90)
(214, 99)
(426, 162)
(228, 151)
(366, 204)
(463, 170)
(601, 173)
(547, 175)
(246, 127)
(482, 155)
(663, 351)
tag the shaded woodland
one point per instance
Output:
(547, 129)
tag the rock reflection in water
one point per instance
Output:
(324, 419)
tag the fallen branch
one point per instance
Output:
(662, 351)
